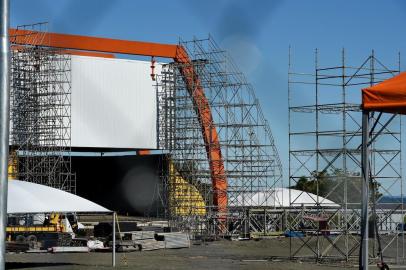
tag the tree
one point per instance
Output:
(331, 185)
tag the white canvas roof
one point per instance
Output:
(279, 197)
(25, 197)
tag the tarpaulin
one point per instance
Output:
(26, 197)
(387, 96)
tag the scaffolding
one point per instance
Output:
(325, 159)
(40, 111)
(248, 150)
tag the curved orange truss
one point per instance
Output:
(193, 84)
(210, 136)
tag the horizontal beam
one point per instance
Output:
(87, 43)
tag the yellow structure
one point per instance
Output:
(31, 229)
(12, 165)
(55, 225)
(185, 198)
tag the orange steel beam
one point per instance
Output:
(70, 52)
(179, 55)
(86, 43)
(210, 136)
(87, 53)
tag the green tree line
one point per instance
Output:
(337, 186)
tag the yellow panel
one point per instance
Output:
(185, 198)
(12, 165)
(31, 229)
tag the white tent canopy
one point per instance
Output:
(25, 197)
(283, 197)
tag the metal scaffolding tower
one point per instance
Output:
(250, 157)
(325, 159)
(40, 113)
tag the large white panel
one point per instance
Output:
(113, 103)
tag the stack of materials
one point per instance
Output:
(138, 240)
(175, 239)
(69, 249)
(127, 246)
(104, 229)
(142, 235)
(147, 240)
(150, 240)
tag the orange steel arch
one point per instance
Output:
(193, 84)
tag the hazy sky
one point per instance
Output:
(263, 30)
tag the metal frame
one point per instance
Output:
(40, 108)
(325, 137)
(249, 154)
(365, 194)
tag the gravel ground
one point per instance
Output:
(252, 255)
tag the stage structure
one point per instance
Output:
(248, 151)
(220, 146)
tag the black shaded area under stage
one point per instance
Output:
(127, 184)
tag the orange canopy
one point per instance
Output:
(387, 96)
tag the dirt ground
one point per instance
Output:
(224, 254)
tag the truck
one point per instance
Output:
(43, 231)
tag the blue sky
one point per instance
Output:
(263, 29)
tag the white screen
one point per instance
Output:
(113, 103)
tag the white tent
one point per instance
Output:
(279, 197)
(25, 197)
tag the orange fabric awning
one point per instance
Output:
(388, 96)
